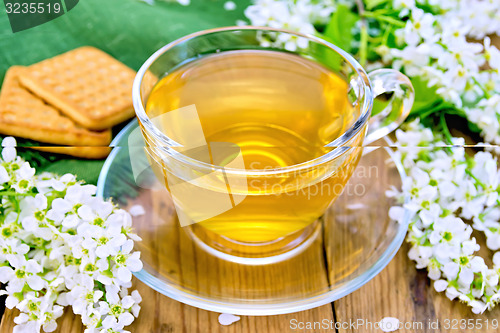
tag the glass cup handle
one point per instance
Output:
(399, 105)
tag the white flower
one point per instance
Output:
(24, 178)
(430, 214)
(121, 218)
(404, 6)
(137, 210)
(441, 241)
(447, 236)
(420, 26)
(491, 54)
(412, 59)
(105, 242)
(24, 325)
(33, 217)
(421, 254)
(137, 299)
(4, 175)
(454, 31)
(91, 319)
(96, 212)
(49, 318)
(227, 319)
(492, 238)
(95, 267)
(11, 247)
(42, 310)
(59, 246)
(478, 307)
(465, 267)
(9, 151)
(83, 299)
(452, 293)
(127, 262)
(440, 285)
(229, 5)
(423, 194)
(265, 12)
(485, 170)
(60, 184)
(466, 198)
(116, 310)
(397, 213)
(22, 271)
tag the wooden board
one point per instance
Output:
(398, 291)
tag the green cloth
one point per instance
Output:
(129, 30)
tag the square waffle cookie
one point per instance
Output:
(86, 84)
(25, 115)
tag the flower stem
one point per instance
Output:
(446, 130)
(15, 194)
(485, 92)
(363, 46)
(384, 18)
(480, 183)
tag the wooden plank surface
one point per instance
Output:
(160, 314)
(403, 292)
(398, 291)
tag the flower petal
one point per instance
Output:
(35, 282)
(125, 319)
(127, 302)
(440, 285)
(124, 274)
(6, 274)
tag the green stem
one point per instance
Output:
(446, 130)
(374, 3)
(15, 194)
(468, 172)
(386, 34)
(485, 92)
(424, 112)
(384, 18)
(363, 47)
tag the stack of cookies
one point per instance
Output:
(68, 103)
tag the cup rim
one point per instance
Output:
(340, 143)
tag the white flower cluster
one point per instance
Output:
(436, 44)
(446, 187)
(61, 245)
(438, 48)
(300, 16)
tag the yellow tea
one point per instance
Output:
(281, 110)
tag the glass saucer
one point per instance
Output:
(354, 241)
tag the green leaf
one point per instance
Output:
(429, 106)
(371, 4)
(87, 170)
(429, 102)
(339, 29)
(425, 97)
(129, 30)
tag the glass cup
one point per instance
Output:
(236, 210)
